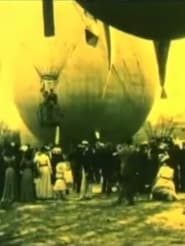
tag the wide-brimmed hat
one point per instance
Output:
(57, 150)
(163, 146)
(163, 157)
(24, 148)
(120, 148)
(60, 167)
(84, 142)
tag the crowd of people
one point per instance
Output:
(156, 168)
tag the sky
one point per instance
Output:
(174, 105)
(20, 19)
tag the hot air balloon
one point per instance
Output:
(101, 84)
(160, 21)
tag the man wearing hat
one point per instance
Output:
(87, 171)
(128, 172)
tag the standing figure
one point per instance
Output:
(56, 157)
(128, 180)
(182, 167)
(87, 171)
(2, 172)
(68, 175)
(52, 96)
(10, 189)
(60, 182)
(107, 168)
(27, 187)
(75, 158)
(43, 184)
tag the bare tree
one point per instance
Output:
(164, 128)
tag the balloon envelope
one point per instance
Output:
(112, 93)
(146, 18)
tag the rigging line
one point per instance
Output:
(127, 75)
(109, 53)
(106, 83)
(84, 15)
(124, 88)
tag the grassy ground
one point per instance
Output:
(95, 222)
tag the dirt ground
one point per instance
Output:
(94, 222)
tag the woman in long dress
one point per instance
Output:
(27, 192)
(10, 189)
(164, 186)
(43, 184)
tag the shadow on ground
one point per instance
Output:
(95, 222)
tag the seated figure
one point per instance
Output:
(164, 186)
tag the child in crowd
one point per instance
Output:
(60, 183)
